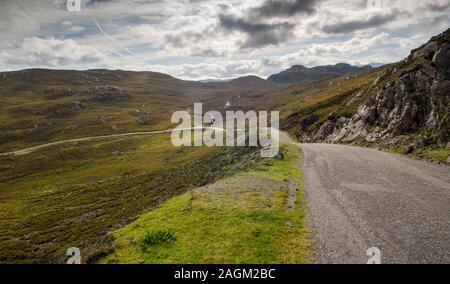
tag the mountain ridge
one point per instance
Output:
(300, 73)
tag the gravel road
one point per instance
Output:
(362, 198)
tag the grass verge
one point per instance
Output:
(239, 220)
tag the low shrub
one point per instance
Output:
(154, 238)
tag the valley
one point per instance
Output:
(87, 161)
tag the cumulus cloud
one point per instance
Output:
(372, 21)
(196, 39)
(52, 52)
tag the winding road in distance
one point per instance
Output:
(92, 138)
(362, 198)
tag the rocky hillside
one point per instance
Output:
(405, 109)
(299, 73)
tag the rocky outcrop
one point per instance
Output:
(409, 103)
(108, 94)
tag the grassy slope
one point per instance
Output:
(32, 113)
(71, 195)
(40, 106)
(242, 219)
(322, 99)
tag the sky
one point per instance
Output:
(201, 39)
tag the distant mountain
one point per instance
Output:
(213, 81)
(251, 81)
(300, 74)
(376, 65)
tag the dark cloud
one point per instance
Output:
(258, 34)
(283, 8)
(438, 8)
(372, 22)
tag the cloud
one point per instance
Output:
(196, 39)
(114, 41)
(355, 25)
(350, 47)
(317, 54)
(256, 25)
(438, 7)
(258, 35)
(52, 52)
(283, 8)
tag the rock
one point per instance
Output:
(117, 153)
(408, 99)
(99, 119)
(367, 113)
(56, 93)
(413, 102)
(78, 105)
(324, 131)
(409, 149)
(420, 143)
(280, 156)
(448, 145)
(427, 51)
(448, 159)
(308, 121)
(108, 94)
(442, 57)
(5, 167)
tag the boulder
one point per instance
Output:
(78, 105)
(409, 149)
(427, 51)
(324, 131)
(309, 120)
(442, 57)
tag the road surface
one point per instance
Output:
(92, 138)
(362, 198)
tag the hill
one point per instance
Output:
(299, 73)
(404, 108)
(72, 194)
(40, 106)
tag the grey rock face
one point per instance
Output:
(410, 97)
(442, 57)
